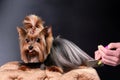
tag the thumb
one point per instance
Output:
(113, 45)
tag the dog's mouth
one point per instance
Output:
(32, 56)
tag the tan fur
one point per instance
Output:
(28, 35)
(33, 24)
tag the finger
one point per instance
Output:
(102, 50)
(111, 58)
(113, 45)
(107, 52)
(100, 47)
(97, 55)
(109, 62)
(117, 53)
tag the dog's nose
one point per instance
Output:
(30, 47)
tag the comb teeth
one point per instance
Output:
(94, 63)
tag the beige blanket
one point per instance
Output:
(9, 71)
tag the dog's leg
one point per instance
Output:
(54, 69)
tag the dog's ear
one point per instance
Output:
(22, 32)
(47, 32)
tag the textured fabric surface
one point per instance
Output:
(10, 71)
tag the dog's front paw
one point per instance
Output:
(23, 68)
(54, 69)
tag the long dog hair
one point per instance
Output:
(67, 55)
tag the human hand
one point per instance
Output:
(107, 55)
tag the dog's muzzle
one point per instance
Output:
(32, 55)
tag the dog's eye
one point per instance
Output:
(27, 40)
(27, 26)
(38, 40)
(37, 26)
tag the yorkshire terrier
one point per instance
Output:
(37, 45)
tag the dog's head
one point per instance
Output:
(33, 24)
(35, 48)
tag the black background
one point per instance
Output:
(88, 23)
